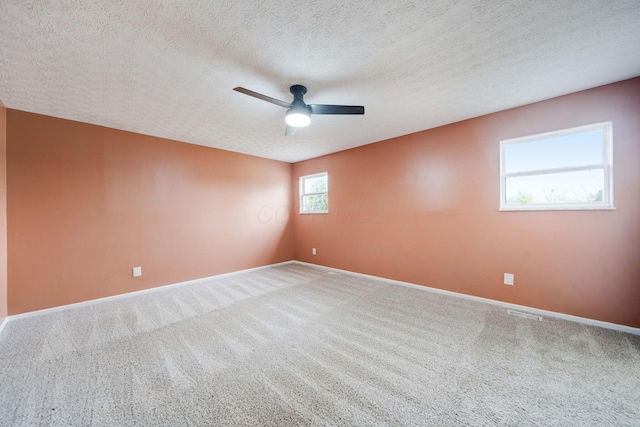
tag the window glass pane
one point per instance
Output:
(565, 151)
(567, 187)
(316, 184)
(318, 202)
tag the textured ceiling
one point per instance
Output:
(167, 68)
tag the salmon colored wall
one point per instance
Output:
(3, 212)
(423, 208)
(88, 203)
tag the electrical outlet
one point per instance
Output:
(137, 271)
(313, 251)
(508, 279)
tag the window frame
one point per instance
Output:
(302, 194)
(606, 166)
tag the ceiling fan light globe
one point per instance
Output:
(297, 119)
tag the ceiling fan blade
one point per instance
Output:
(335, 109)
(262, 97)
(289, 130)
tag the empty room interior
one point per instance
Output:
(319, 213)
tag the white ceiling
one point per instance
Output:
(167, 68)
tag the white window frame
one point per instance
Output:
(302, 193)
(606, 166)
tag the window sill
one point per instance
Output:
(595, 208)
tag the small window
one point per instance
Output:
(314, 193)
(567, 169)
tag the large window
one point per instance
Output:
(314, 193)
(567, 169)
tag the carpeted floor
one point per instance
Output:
(298, 345)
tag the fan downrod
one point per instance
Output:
(297, 91)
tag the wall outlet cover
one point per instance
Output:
(137, 271)
(508, 279)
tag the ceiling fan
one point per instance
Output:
(298, 113)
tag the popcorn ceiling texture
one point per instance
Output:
(298, 346)
(167, 68)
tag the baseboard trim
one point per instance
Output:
(563, 316)
(3, 324)
(134, 293)
(583, 320)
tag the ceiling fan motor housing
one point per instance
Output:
(298, 106)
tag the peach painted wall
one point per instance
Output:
(87, 203)
(423, 208)
(3, 212)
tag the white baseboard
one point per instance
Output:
(130, 294)
(2, 325)
(584, 320)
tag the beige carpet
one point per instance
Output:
(297, 345)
